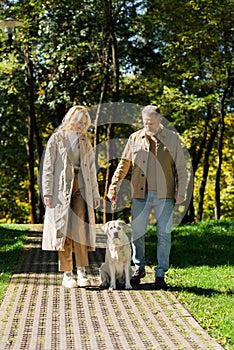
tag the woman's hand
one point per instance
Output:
(48, 201)
(96, 203)
(179, 199)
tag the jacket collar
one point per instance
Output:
(160, 134)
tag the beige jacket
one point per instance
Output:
(57, 181)
(170, 170)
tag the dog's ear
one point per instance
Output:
(124, 225)
(105, 227)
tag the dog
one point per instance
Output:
(116, 270)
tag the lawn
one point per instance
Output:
(202, 274)
(11, 243)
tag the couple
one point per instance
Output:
(70, 192)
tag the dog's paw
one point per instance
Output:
(112, 287)
(128, 286)
(104, 285)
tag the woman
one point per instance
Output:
(70, 192)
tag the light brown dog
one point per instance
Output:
(116, 270)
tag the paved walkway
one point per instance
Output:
(38, 313)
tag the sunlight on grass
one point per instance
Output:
(11, 243)
(202, 274)
(207, 292)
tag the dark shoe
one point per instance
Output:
(160, 283)
(136, 278)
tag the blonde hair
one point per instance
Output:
(79, 112)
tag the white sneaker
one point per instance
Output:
(69, 281)
(82, 280)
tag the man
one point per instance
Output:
(158, 182)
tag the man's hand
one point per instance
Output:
(48, 201)
(112, 197)
(179, 199)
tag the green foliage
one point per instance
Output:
(177, 54)
(201, 275)
(13, 173)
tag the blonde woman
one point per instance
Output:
(70, 193)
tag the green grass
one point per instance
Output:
(202, 274)
(12, 238)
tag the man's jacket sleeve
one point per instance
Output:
(122, 168)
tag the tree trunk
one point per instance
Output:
(31, 130)
(102, 96)
(196, 158)
(115, 98)
(111, 60)
(221, 128)
(39, 147)
(219, 165)
(205, 174)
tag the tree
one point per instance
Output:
(177, 54)
(197, 51)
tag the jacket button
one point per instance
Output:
(142, 174)
(142, 188)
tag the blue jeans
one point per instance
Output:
(163, 213)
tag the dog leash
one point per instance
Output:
(113, 207)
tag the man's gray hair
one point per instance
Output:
(151, 110)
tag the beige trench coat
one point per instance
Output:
(57, 181)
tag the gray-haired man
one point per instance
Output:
(158, 182)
